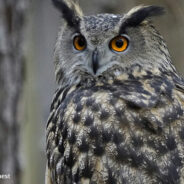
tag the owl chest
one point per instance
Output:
(92, 114)
(94, 131)
(98, 134)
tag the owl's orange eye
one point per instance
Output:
(119, 43)
(79, 43)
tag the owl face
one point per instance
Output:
(99, 45)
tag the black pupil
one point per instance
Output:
(81, 42)
(119, 43)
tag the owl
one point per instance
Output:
(117, 116)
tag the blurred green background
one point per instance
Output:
(43, 22)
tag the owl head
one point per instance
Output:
(108, 45)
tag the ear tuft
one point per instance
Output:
(138, 14)
(70, 10)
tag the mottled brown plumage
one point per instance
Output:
(124, 125)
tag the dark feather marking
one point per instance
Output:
(158, 146)
(63, 107)
(107, 88)
(55, 100)
(129, 155)
(50, 119)
(79, 107)
(61, 123)
(72, 138)
(176, 159)
(99, 148)
(136, 160)
(48, 156)
(70, 160)
(84, 147)
(57, 140)
(54, 121)
(61, 147)
(90, 102)
(172, 176)
(88, 121)
(119, 114)
(77, 118)
(117, 94)
(106, 136)
(64, 132)
(131, 77)
(170, 142)
(181, 133)
(122, 154)
(133, 106)
(60, 72)
(152, 127)
(137, 141)
(94, 133)
(150, 166)
(76, 176)
(180, 87)
(140, 15)
(95, 107)
(104, 115)
(68, 14)
(65, 92)
(118, 138)
(77, 98)
(87, 171)
(111, 178)
(95, 89)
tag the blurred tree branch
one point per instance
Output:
(12, 13)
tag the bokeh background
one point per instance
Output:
(42, 24)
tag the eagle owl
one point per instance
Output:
(117, 116)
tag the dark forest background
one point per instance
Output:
(32, 50)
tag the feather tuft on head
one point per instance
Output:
(138, 14)
(70, 10)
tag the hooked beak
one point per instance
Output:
(95, 61)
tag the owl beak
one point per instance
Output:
(95, 61)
